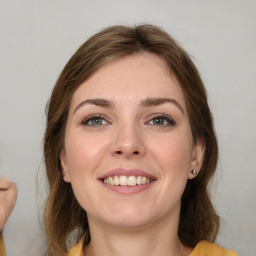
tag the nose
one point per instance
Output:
(128, 142)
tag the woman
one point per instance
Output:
(129, 150)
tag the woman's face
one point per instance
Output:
(128, 145)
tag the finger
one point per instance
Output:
(11, 194)
(8, 197)
(10, 191)
(5, 183)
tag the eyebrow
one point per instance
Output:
(97, 102)
(148, 102)
(159, 101)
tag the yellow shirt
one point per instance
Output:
(204, 248)
(2, 246)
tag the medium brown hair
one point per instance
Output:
(64, 217)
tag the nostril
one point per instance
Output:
(130, 153)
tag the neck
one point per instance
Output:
(144, 241)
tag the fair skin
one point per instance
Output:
(8, 196)
(126, 123)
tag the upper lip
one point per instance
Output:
(126, 172)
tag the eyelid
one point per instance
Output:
(94, 116)
(170, 120)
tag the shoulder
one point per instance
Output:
(205, 248)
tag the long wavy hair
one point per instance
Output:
(65, 220)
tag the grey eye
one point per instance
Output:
(95, 121)
(161, 120)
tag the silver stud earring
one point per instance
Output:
(194, 172)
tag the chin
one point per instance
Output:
(129, 223)
(127, 218)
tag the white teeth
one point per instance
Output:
(132, 181)
(111, 181)
(143, 180)
(139, 178)
(123, 181)
(126, 181)
(116, 180)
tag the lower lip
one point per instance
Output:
(128, 190)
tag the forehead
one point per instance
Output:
(129, 78)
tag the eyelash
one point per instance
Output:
(169, 120)
(163, 118)
(94, 118)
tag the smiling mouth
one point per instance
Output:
(127, 180)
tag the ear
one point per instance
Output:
(197, 158)
(64, 166)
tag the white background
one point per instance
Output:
(38, 37)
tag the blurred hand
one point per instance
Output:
(8, 196)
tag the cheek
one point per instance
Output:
(83, 153)
(173, 156)
(174, 152)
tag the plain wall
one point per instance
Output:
(37, 39)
